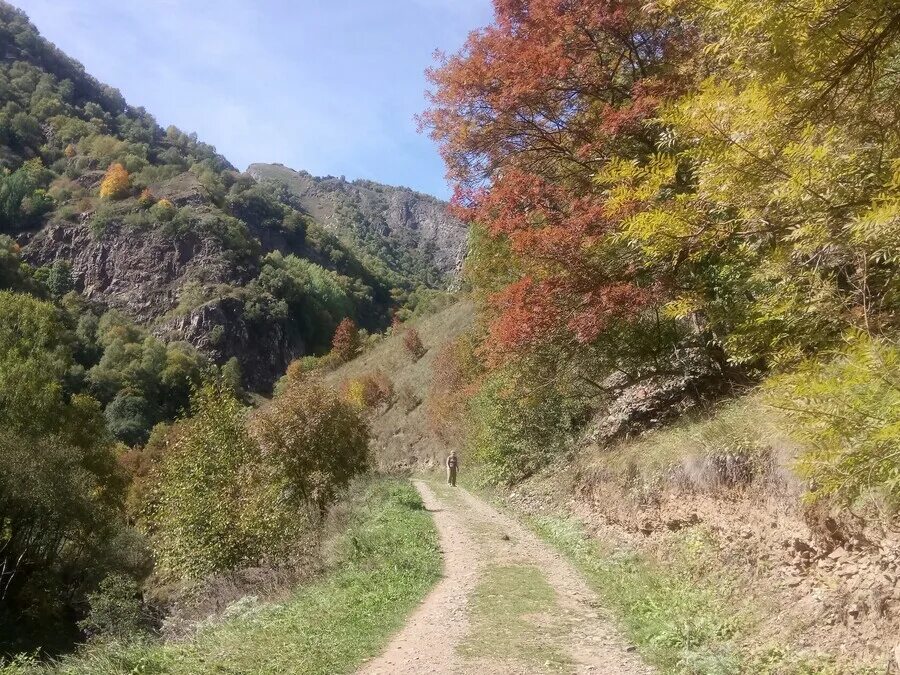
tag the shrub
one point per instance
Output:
(116, 183)
(846, 411)
(369, 390)
(345, 343)
(214, 502)
(317, 441)
(163, 210)
(412, 342)
(453, 379)
(116, 610)
(518, 422)
(146, 199)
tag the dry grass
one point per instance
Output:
(401, 440)
(738, 444)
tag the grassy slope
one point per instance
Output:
(400, 433)
(384, 563)
(699, 598)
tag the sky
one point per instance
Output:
(329, 86)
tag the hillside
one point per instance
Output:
(410, 232)
(180, 241)
(401, 439)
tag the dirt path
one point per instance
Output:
(507, 604)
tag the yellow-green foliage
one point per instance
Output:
(314, 441)
(215, 504)
(847, 410)
(369, 390)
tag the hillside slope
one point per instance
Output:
(159, 225)
(400, 436)
(411, 232)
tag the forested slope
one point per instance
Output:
(148, 291)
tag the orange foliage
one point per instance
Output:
(345, 343)
(526, 114)
(454, 379)
(146, 199)
(116, 183)
(369, 390)
(412, 342)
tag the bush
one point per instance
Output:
(412, 342)
(116, 610)
(454, 375)
(846, 411)
(518, 422)
(345, 343)
(146, 200)
(369, 390)
(215, 504)
(317, 441)
(163, 211)
(116, 183)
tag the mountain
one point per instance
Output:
(258, 266)
(409, 231)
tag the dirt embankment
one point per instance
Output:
(806, 581)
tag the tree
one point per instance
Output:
(213, 501)
(231, 375)
(59, 279)
(345, 343)
(526, 115)
(412, 343)
(129, 418)
(61, 488)
(23, 197)
(318, 441)
(116, 182)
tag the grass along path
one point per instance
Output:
(679, 624)
(385, 563)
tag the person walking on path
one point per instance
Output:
(452, 464)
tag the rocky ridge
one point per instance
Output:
(363, 209)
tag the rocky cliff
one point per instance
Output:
(383, 220)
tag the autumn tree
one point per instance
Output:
(315, 440)
(526, 114)
(412, 343)
(116, 182)
(345, 343)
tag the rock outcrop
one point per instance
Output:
(221, 329)
(415, 221)
(140, 272)
(656, 398)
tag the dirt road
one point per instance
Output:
(507, 604)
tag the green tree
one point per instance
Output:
(214, 502)
(317, 441)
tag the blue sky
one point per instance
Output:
(326, 86)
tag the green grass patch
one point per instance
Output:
(512, 609)
(680, 622)
(384, 563)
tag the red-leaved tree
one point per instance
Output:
(526, 115)
(345, 343)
